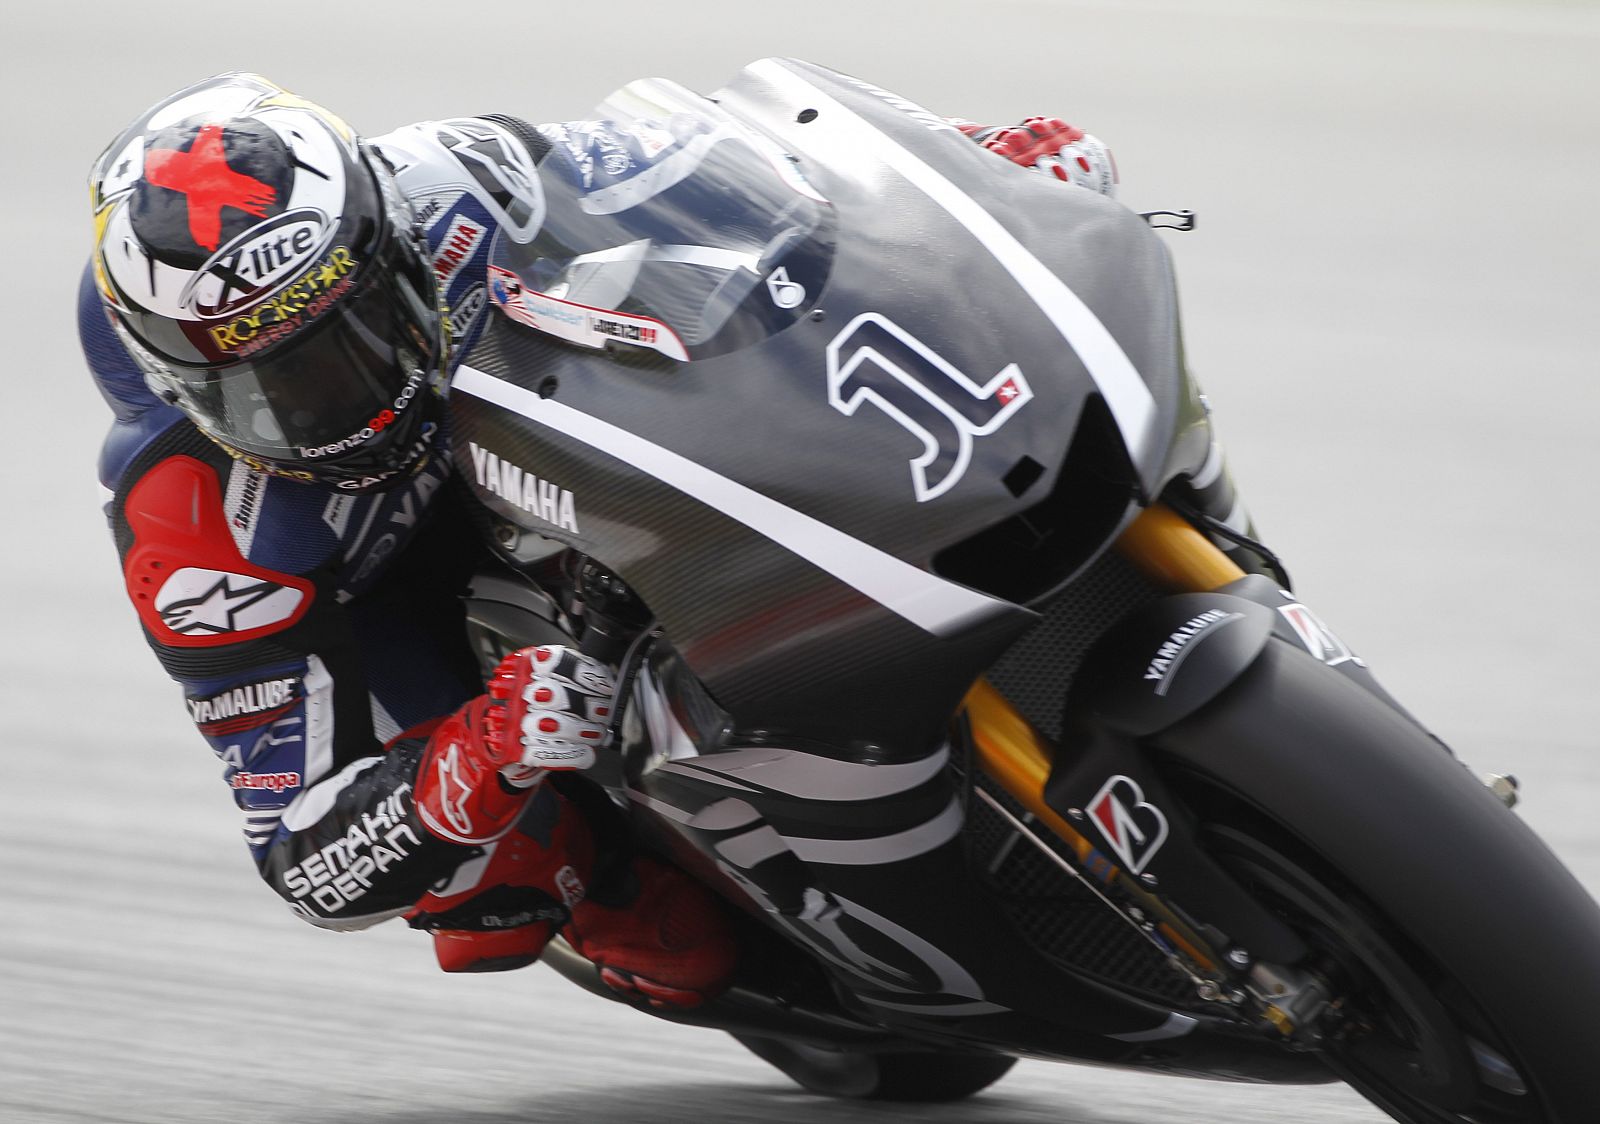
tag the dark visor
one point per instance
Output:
(346, 377)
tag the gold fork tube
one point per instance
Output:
(1011, 752)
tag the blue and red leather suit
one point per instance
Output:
(308, 626)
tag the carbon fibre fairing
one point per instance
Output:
(782, 503)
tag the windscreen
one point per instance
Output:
(670, 226)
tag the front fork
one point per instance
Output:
(1174, 554)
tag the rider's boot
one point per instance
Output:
(665, 939)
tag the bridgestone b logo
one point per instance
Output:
(1133, 828)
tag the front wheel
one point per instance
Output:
(1462, 959)
(932, 1076)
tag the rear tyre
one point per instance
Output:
(917, 1077)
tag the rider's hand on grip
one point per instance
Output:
(1049, 144)
(550, 709)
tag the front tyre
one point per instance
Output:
(915, 1077)
(1465, 958)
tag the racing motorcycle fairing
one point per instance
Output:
(965, 324)
(863, 867)
(1267, 867)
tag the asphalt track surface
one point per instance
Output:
(1391, 299)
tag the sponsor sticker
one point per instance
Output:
(1318, 638)
(304, 299)
(464, 316)
(570, 885)
(520, 488)
(341, 873)
(196, 601)
(785, 293)
(243, 510)
(1176, 647)
(258, 261)
(1132, 828)
(375, 425)
(874, 360)
(268, 782)
(578, 323)
(249, 701)
(456, 247)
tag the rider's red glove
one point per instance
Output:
(1049, 144)
(555, 713)
(546, 708)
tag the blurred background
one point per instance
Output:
(1390, 300)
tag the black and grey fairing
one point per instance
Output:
(840, 355)
(838, 395)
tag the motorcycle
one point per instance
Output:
(873, 463)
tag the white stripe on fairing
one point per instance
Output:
(1238, 519)
(1125, 392)
(882, 849)
(939, 1010)
(753, 847)
(930, 603)
(1176, 1026)
(810, 776)
(1210, 470)
(643, 250)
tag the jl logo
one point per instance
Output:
(875, 360)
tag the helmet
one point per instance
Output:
(265, 272)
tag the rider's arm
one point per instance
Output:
(270, 661)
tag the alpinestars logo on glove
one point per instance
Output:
(454, 791)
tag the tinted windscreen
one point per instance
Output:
(667, 212)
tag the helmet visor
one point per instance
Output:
(342, 391)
